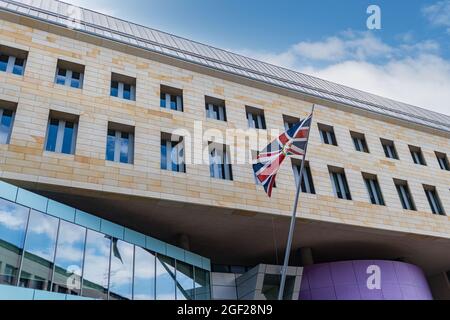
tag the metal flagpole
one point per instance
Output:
(294, 215)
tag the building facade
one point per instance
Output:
(101, 115)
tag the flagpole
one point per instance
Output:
(294, 214)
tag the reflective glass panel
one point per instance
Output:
(5, 126)
(3, 62)
(13, 223)
(96, 265)
(52, 135)
(61, 76)
(110, 145)
(121, 278)
(69, 259)
(185, 281)
(165, 278)
(37, 266)
(69, 132)
(114, 88)
(127, 91)
(124, 147)
(18, 66)
(76, 80)
(202, 285)
(144, 275)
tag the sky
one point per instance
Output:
(408, 59)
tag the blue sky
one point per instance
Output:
(408, 59)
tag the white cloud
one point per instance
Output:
(438, 14)
(411, 72)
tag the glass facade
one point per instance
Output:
(43, 252)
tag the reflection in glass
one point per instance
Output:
(13, 223)
(121, 277)
(96, 265)
(37, 266)
(144, 275)
(6, 119)
(185, 281)
(52, 135)
(69, 259)
(110, 145)
(165, 278)
(202, 285)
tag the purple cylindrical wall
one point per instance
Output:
(348, 280)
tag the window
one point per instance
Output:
(7, 113)
(185, 281)
(61, 133)
(359, 140)
(37, 265)
(417, 156)
(144, 274)
(255, 118)
(171, 98)
(373, 188)
(219, 159)
(13, 224)
(202, 284)
(121, 273)
(172, 153)
(123, 87)
(307, 181)
(443, 161)
(69, 74)
(215, 109)
(339, 183)
(165, 278)
(433, 200)
(120, 143)
(12, 60)
(389, 149)
(327, 134)
(289, 122)
(404, 195)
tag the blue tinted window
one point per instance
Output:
(127, 91)
(13, 223)
(5, 125)
(18, 66)
(144, 275)
(165, 278)
(185, 281)
(52, 135)
(3, 62)
(163, 100)
(202, 284)
(76, 80)
(68, 138)
(61, 77)
(114, 89)
(124, 148)
(37, 266)
(163, 155)
(121, 276)
(173, 102)
(110, 145)
(69, 259)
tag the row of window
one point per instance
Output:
(41, 252)
(328, 137)
(72, 74)
(62, 132)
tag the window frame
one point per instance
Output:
(373, 189)
(307, 180)
(443, 161)
(327, 134)
(390, 151)
(118, 131)
(404, 194)
(60, 135)
(434, 200)
(256, 118)
(10, 129)
(170, 145)
(339, 183)
(417, 155)
(169, 93)
(222, 171)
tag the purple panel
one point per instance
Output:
(342, 273)
(349, 281)
(347, 292)
(323, 294)
(319, 276)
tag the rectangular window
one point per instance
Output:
(289, 122)
(12, 60)
(215, 109)
(359, 140)
(69, 74)
(389, 149)
(120, 143)
(404, 194)
(61, 133)
(339, 183)
(123, 87)
(172, 153)
(443, 161)
(307, 181)
(417, 155)
(165, 278)
(327, 134)
(171, 98)
(433, 200)
(7, 113)
(373, 188)
(255, 118)
(220, 163)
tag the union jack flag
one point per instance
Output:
(292, 143)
